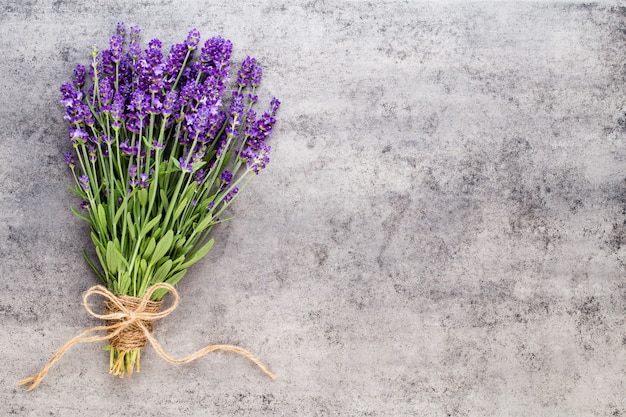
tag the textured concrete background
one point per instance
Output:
(440, 233)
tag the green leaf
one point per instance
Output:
(173, 280)
(123, 283)
(102, 218)
(143, 196)
(178, 261)
(204, 223)
(119, 212)
(112, 260)
(115, 260)
(150, 225)
(131, 227)
(198, 165)
(180, 208)
(162, 271)
(164, 245)
(180, 242)
(96, 241)
(93, 266)
(150, 248)
(164, 200)
(188, 223)
(81, 216)
(101, 259)
(197, 255)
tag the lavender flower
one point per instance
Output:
(83, 180)
(134, 50)
(249, 74)
(184, 165)
(115, 45)
(121, 30)
(170, 104)
(193, 38)
(69, 159)
(79, 76)
(231, 194)
(226, 178)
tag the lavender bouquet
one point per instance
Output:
(158, 155)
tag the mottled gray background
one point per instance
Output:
(440, 233)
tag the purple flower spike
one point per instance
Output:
(275, 104)
(249, 73)
(200, 175)
(92, 152)
(193, 38)
(170, 103)
(226, 177)
(69, 159)
(115, 45)
(143, 180)
(134, 50)
(231, 194)
(83, 180)
(121, 30)
(106, 92)
(215, 55)
(186, 167)
(79, 76)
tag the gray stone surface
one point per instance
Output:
(440, 233)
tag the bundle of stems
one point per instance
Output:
(159, 155)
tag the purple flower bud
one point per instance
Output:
(106, 92)
(170, 102)
(186, 167)
(275, 103)
(193, 38)
(84, 204)
(215, 56)
(115, 45)
(249, 73)
(226, 177)
(134, 50)
(132, 171)
(143, 180)
(121, 30)
(200, 175)
(92, 152)
(69, 159)
(78, 136)
(83, 180)
(231, 194)
(79, 76)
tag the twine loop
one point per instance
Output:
(128, 325)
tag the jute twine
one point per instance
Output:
(128, 325)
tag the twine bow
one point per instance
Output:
(122, 320)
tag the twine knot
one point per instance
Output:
(129, 325)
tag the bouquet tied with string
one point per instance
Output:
(160, 151)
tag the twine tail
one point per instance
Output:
(206, 350)
(35, 380)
